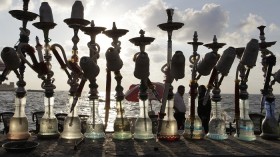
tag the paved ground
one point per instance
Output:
(183, 147)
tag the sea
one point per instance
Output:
(35, 102)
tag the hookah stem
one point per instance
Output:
(237, 109)
(49, 106)
(108, 95)
(121, 110)
(192, 113)
(210, 85)
(145, 120)
(93, 113)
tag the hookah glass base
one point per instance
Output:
(94, 131)
(217, 129)
(198, 132)
(143, 129)
(71, 128)
(48, 128)
(122, 129)
(169, 131)
(18, 129)
(270, 129)
(246, 131)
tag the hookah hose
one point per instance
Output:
(210, 85)
(107, 99)
(78, 93)
(60, 61)
(153, 88)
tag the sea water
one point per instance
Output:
(35, 102)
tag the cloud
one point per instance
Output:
(209, 21)
(252, 21)
(5, 5)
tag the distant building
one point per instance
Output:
(7, 87)
(4, 86)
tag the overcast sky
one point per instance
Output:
(234, 22)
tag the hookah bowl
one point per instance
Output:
(198, 132)
(217, 125)
(246, 126)
(18, 124)
(270, 126)
(169, 129)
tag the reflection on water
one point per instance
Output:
(35, 102)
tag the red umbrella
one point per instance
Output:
(133, 91)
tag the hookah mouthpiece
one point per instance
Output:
(142, 66)
(90, 68)
(114, 62)
(205, 66)
(77, 10)
(10, 58)
(178, 65)
(224, 64)
(250, 53)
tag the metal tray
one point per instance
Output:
(20, 146)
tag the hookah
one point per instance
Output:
(193, 125)
(48, 123)
(167, 126)
(244, 125)
(143, 124)
(114, 63)
(270, 126)
(72, 123)
(18, 129)
(217, 127)
(95, 128)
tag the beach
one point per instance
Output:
(183, 147)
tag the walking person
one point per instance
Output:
(204, 111)
(180, 107)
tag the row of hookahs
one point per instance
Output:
(15, 60)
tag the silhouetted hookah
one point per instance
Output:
(193, 126)
(95, 128)
(217, 128)
(264, 54)
(114, 63)
(18, 129)
(72, 123)
(244, 125)
(167, 126)
(48, 123)
(143, 124)
(270, 126)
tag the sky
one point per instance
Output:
(234, 22)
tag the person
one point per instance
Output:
(180, 107)
(204, 111)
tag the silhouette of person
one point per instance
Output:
(204, 111)
(180, 107)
